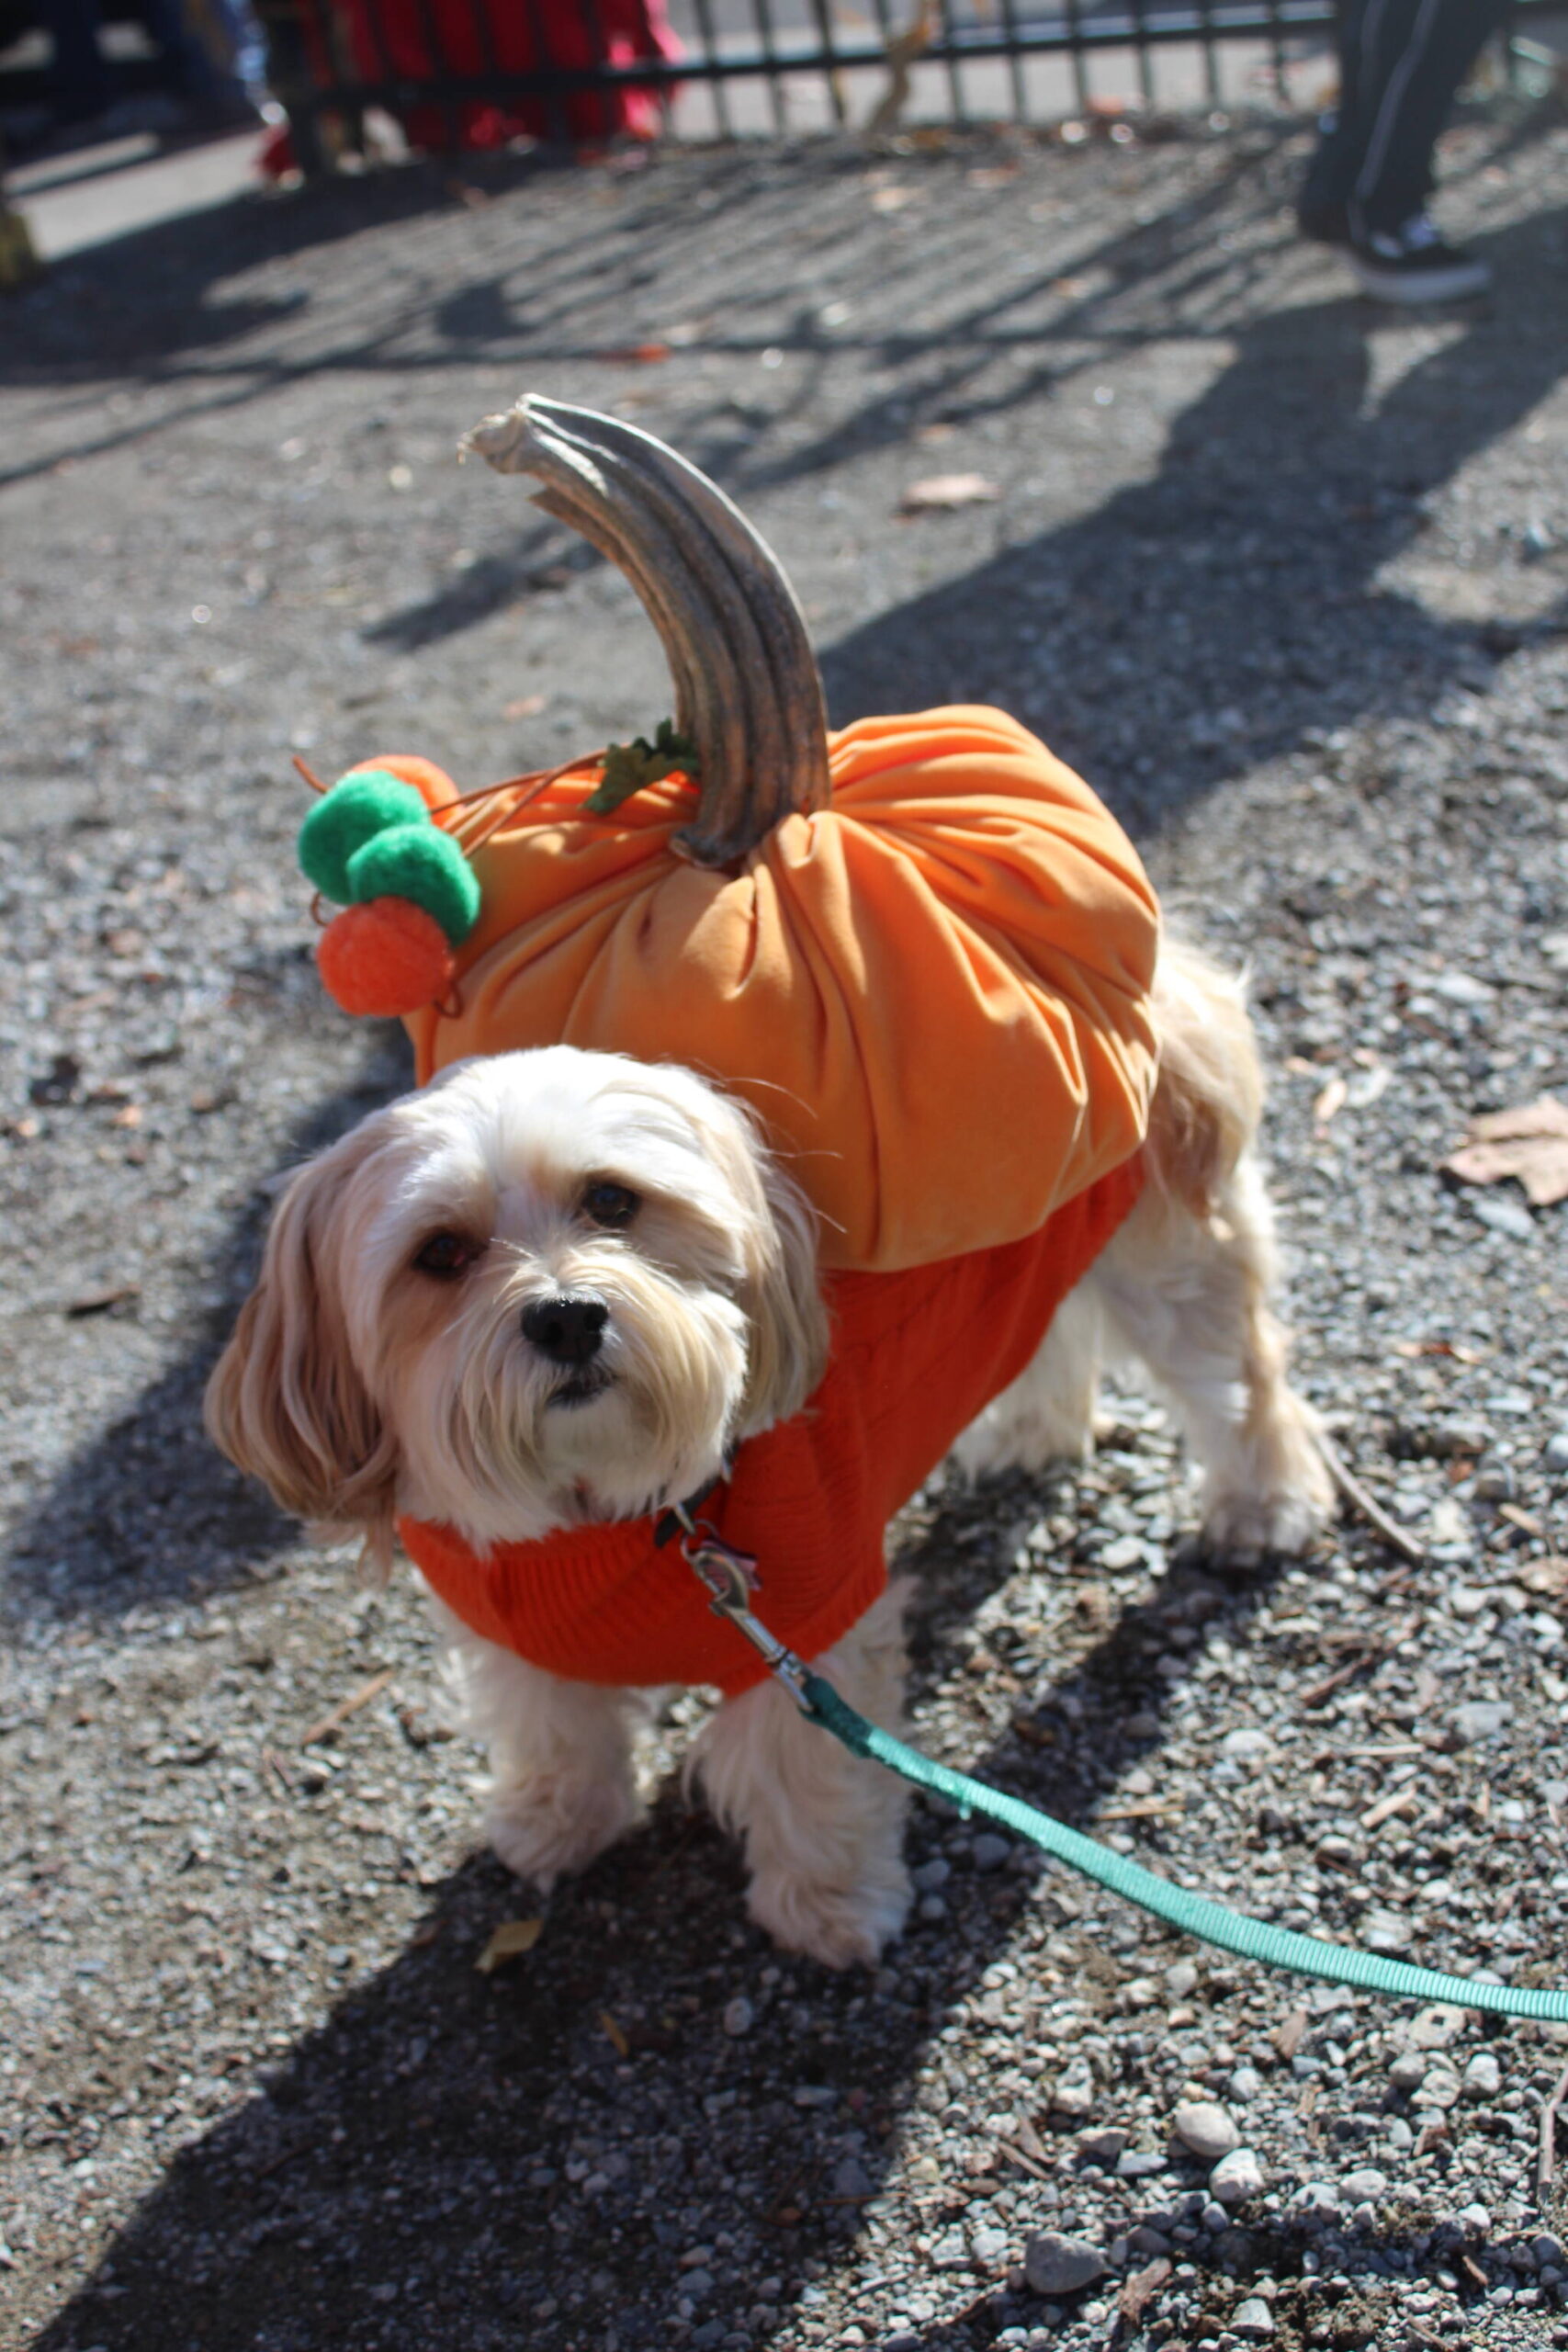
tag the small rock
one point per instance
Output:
(1434, 2028)
(1203, 2126)
(925, 2172)
(1103, 2147)
(1137, 2163)
(738, 2015)
(1141, 1992)
(1253, 2320)
(1505, 1216)
(1318, 2196)
(1054, 2265)
(1483, 2076)
(991, 1851)
(1247, 1744)
(1245, 2084)
(1548, 2250)
(851, 2179)
(1480, 1719)
(1554, 1454)
(1476, 2218)
(1074, 2094)
(1181, 1978)
(928, 1876)
(1236, 2178)
(1364, 2187)
(1408, 2071)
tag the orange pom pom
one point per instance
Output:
(433, 783)
(385, 959)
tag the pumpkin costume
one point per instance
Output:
(916, 1355)
(920, 948)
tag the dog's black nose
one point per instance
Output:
(570, 1329)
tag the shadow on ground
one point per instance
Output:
(150, 1512)
(461, 2161)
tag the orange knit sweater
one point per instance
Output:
(917, 1354)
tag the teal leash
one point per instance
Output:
(729, 1577)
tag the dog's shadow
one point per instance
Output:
(653, 2115)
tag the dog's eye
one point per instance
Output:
(610, 1205)
(446, 1254)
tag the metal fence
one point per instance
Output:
(458, 73)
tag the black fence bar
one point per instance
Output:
(775, 85)
(1141, 24)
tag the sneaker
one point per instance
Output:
(1412, 264)
(1325, 224)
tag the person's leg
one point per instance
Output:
(1414, 55)
(1324, 207)
(78, 77)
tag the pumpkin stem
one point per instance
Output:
(747, 689)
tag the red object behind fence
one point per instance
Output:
(419, 41)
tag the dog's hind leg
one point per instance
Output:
(823, 1830)
(1049, 1414)
(562, 1785)
(1191, 1295)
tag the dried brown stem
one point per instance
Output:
(747, 689)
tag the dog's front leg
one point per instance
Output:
(823, 1830)
(562, 1785)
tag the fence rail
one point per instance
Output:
(566, 69)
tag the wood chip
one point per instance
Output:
(1144, 1809)
(1330, 1101)
(1397, 1800)
(940, 494)
(525, 706)
(616, 2033)
(349, 1706)
(98, 1302)
(507, 1941)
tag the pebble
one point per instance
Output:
(1365, 2185)
(1102, 2147)
(991, 1851)
(1236, 2178)
(1477, 2219)
(1253, 2320)
(1554, 1453)
(1054, 2265)
(1204, 2127)
(851, 2179)
(738, 2015)
(1480, 1719)
(1483, 2076)
(1408, 2071)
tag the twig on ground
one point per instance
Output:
(349, 1706)
(1546, 2162)
(1356, 1495)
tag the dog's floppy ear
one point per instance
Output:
(286, 1400)
(779, 1291)
(783, 1296)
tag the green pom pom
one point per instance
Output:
(420, 863)
(348, 816)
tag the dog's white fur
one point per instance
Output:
(359, 1386)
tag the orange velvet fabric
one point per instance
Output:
(935, 992)
(916, 1356)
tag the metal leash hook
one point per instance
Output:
(731, 1579)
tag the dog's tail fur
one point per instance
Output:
(1208, 1099)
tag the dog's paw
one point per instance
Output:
(550, 1826)
(841, 1926)
(1243, 1529)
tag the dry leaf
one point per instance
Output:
(1530, 1142)
(513, 1935)
(938, 493)
(1547, 1577)
(616, 2033)
(1140, 2289)
(527, 707)
(1331, 1101)
(1290, 2034)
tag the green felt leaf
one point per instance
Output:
(628, 766)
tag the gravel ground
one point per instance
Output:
(1286, 577)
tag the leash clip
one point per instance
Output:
(731, 1579)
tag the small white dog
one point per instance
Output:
(557, 1289)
